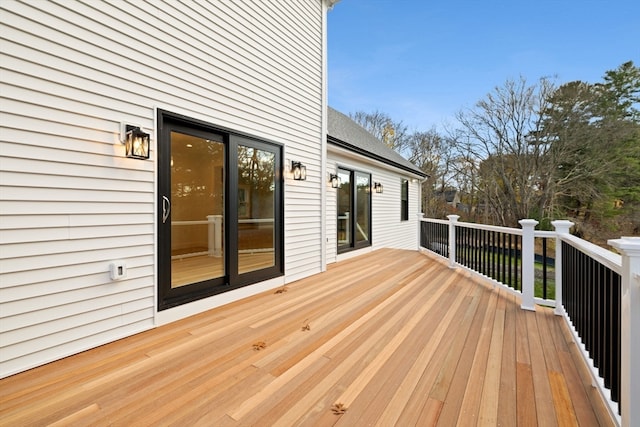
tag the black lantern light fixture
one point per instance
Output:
(378, 187)
(136, 142)
(299, 171)
(334, 180)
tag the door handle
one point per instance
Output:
(166, 208)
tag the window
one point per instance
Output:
(354, 210)
(404, 200)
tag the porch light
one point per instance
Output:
(378, 187)
(299, 171)
(334, 180)
(136, 142)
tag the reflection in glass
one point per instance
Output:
(344, 208)
(404, 200)
(197, 208)
(363, 191)
(256, 208)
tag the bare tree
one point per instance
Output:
(497, 134)
(466, 175)
(382, 126)
(430, 151)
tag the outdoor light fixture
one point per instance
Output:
(136, 142)
(378, 187)
(299, 171)
(334, 180)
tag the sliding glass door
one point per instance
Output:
(220, 211)
(354, 210)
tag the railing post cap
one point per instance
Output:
(562, 222)
(628, 244)
(528, 222)
(562, 225)
(453, 218)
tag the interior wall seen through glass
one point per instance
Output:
(197, 208)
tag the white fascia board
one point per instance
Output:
(350, 154)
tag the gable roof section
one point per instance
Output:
(346, 133)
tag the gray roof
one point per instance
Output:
(344, 132)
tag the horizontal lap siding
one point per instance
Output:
(391, 232)
(332, 212)
(70, 202)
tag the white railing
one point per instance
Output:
(626, 265)
(215, 235)
(344, 227)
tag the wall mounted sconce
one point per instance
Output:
(299, 171)
(136, 142)
(334, 180)
(378, 187)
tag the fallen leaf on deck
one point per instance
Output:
(339, 408)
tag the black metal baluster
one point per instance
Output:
(492, 253)
(517, 263)
(544, 268)
(616, 331)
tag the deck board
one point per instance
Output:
(492, 369)
(507, 390)
(545, 410)
(395, 336)
(462, 358)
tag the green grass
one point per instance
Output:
(551, 287)
(551, 281)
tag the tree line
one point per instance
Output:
(542, 150)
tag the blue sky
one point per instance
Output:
(421, 61)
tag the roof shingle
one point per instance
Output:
(344, 132)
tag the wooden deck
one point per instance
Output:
(393, 337)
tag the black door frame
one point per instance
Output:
(353, 218)
(237, 280)
(168, 297)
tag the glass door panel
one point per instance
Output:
(197, 208)
(344, 209)
(363, 208)
(256, 208)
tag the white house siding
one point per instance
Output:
(388, 231)
(71, 203)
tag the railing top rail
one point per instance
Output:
(240, 221)
(517, 231)
(436, 221)
(603, 256)
(202, 222)
(544, 233)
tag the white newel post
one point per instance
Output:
(215, 235)
(452, 239)
(629, 248)
(528, 261)
(562, 227)
(420, 215)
